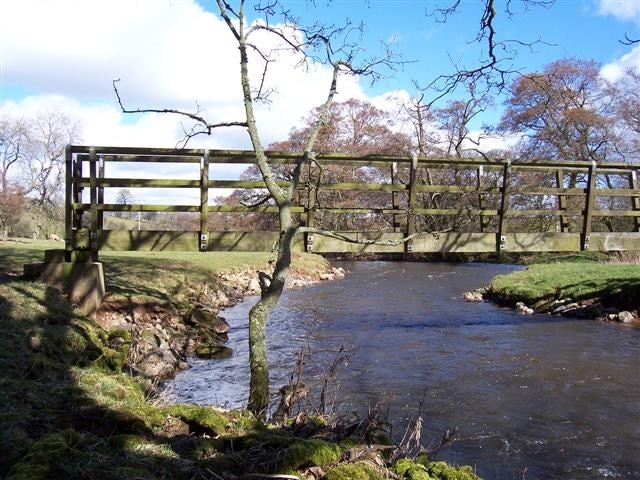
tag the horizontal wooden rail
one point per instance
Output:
(476, 203)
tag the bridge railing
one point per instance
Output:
(376, 203)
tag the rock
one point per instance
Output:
(626, 317)
(253, 286)
(522, 309)
(213, 352)
(326, 276)
(560, 309)
(474, 296)
(210, 320)
(221, 299)
(152, 366)
(338, 272)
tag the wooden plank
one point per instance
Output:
(562, 200)
(100, 213)
(117, 207)
(204, 201)
(411, 204)
(635, 201)
(589, 206)
(504, 206)
(145, 158)
(456, 211)
(615, 241)
(324, 244)
(150, 240)
(141, 182)
(395, 196)
(68, 200)
(93, 199)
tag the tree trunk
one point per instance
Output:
(259, 314)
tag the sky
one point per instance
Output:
(64, 54)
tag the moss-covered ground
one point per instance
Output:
(577, 277)
(70, 412)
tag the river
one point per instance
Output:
(532, 397)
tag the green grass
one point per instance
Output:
(615, 283)
(69, 411)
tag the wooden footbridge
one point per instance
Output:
(373, 202)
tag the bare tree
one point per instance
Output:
(49, 133)
(338, 48)
(627, 111)
(13, 140)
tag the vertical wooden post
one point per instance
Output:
(68, 203)
(76, 194)
(411, 204)
(93, 197)
(501, 240)
(204, 202)
(481, 203)
(313, 183)
(635, 200)
(588, 207)
(395, 197)
(101, 193)
(562, 201)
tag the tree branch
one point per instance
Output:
(207, 127)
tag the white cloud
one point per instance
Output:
(614, 70)
(166, 54)
(621, 9)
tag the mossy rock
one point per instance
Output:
(444, 471)
(45, 456)
(354, 471)
(200, 419)
(311, 453)
(214, 352)
(408, 469)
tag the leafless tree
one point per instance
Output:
(336, 47)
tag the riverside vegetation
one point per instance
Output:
(590, 285)
(76, 405)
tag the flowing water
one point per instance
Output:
(532, 397)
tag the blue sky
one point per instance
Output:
(64, 54)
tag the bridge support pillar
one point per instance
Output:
(82, 282)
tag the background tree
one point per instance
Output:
(627, 112)
(13, 141)
(32, 170)
(564, 112)
(354, 127)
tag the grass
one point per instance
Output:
(70, 412)
(578, 279)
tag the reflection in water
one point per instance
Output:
(532, 397)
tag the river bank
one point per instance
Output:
(77, 403)
(582, 289)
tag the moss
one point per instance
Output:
(354, 471)
(410, 470)
(200, 419)
(46, 454)
(444, 471)
(311, 453)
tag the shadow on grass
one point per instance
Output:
(69, 411)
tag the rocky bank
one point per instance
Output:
(592, 308)
(163, 334)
